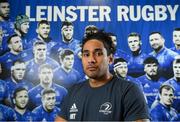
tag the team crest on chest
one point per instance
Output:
(106, 108)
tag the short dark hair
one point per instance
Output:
(4, 1)
(155, 32)
(102, 37)
(151, 60)
(177, 29)
(38, 43)
(135, 34)
(166, 86)
(66, 23)
(177, 59)
(65, 52)
(117, 60)
(18, 89)
(10, 37)
(47, 91)
(18, 61)
(43, 22)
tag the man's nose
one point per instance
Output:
(91, 59)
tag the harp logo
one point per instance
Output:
(106, 108)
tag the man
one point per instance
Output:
(121, 70)
(17, 79)
(5, 23)
(164, 56)
(46, 81)
(135, 62)
(175, 83)
(47, 111)
(67, 41)
(4, 10)
(102, 96)
(16, 48)
(7, 113)
(21, 26)
(66, 75)
(43, 31)
(176, 40)
(40, 57)
(164, 111)
(20, 100)
(151, 81)
(119, 53)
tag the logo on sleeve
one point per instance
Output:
(73, 110)
(106, 108)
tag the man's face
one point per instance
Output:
(40, 52)
(176, 37)
(68, 62)
(134, 43)
(21, 99)
(95, 60)
(46, 76)
(16, 44)
(18, 70)
(167, 96)
(43, 30)
(122, 69)
(67, 32)
(156, 41)
(25, 27)
(151, 69)
(176, 69)
(4, 10)
(49, 101)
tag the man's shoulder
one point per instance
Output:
(169, 52)
(78, 86)
(37, 110)
(122, 82)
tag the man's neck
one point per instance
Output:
(46, 86)
(101, 81)
(158, 50)
(2, 19)
(20, 111)
(38, 61)
(17, 32)
(177, 47)
(65, 41)
(177, 79)
(13, 80)
(153, 78)
(15, 53)
(167, 106)
(46, 109)
(136, 53)
(66, 70)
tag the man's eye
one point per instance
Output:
(99, 53)
(85, 54)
